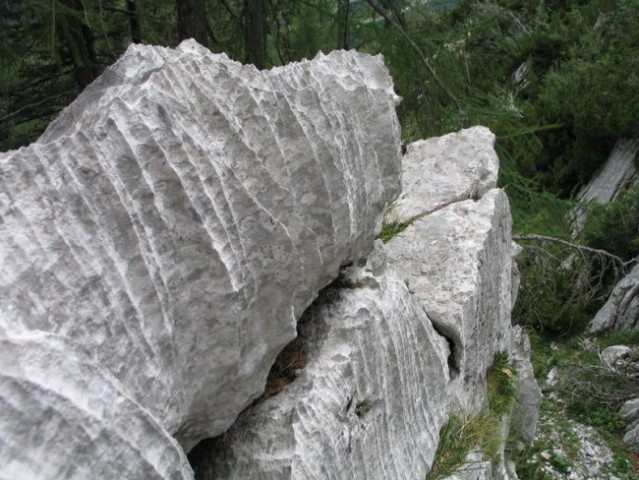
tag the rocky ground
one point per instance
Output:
(567, 448)
(570, 450)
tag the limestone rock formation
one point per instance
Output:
(438, 171)
(617, 174)
(161, 240)
(621, 310)
(398, 343)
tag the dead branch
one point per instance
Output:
(580, 248)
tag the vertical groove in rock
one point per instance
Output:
(168, 230)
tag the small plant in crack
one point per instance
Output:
(363, 407)
(391, 229)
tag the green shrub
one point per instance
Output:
(614, 227)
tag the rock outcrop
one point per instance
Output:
(161, 240)
(617, 174)
(400, 342)
(621, 310)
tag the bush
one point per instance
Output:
(615, 226)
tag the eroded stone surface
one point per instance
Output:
(441, 170)
(160, 241)
(457, 263)
(369, 403)
(396, 345)
(621, 310)
(616, 175)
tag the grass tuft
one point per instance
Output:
(481, 431)
(391, 229)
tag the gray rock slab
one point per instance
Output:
(368, 405)
(616, 175)
(442, 170)
(525, 414)
(457, 262)
(166, 232)
(621, 310)
(631, 437)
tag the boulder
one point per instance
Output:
(442, 170)
(629, 411)
(161, 240)
(615, 356)
(615, 176)
(368, 404)
(621, 310)
(396, 344)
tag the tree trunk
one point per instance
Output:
(343, 11)
(192, 21)
(255, 30)
(78, 38)
(134, 21)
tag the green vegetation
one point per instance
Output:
(363, 407)
(479, 431)
(461, 435)
(502, 388)
(615, 226)
(391, 229)
(582, 393)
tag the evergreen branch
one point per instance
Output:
(421, 55)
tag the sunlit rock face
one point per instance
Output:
(161, 240)
(621, 310)
(399, 342)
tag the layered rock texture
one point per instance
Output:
(399, 342)
(187, 217)
(617, 174)
(161, 240)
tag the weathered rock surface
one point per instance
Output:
(525, 414)
(438, 171)
(396, 345)
(617, 173)
(614, 357)
(353, 412)
(621, 310)
(161, 240)
(629, 411)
